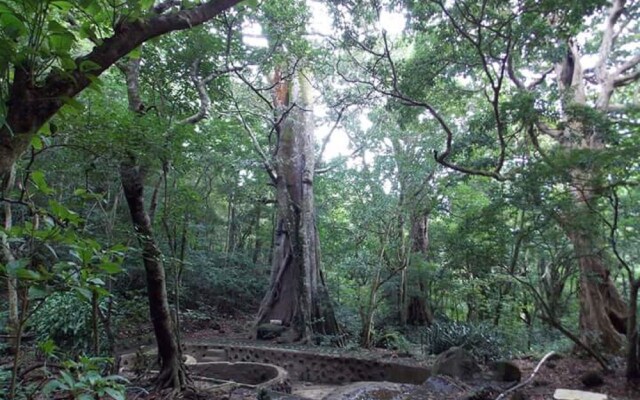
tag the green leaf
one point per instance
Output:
(28, 274)
(88, 65)
(36, 142)
(15, 265)
(115, 394)
(48, 347)
(61, 43)
(37, 293)
(62, 5)
(111, 268)
(67, 63)
(96, 281)
(12, 25)
(37, 177)
(84, 293)
(136, 53)
(53, 386)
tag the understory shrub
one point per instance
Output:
(484, 341)
(86, 378)
(65, 319)
(230, 285)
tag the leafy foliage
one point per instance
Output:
(64, 318)
(85, 379)
(483, 341)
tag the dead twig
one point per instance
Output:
(526, 382)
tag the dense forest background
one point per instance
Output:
(361, 173)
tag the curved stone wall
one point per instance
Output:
(257, 375)
(313, 367)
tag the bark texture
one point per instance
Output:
(418, 311)
(297, 295)
(603, 313)
(172, 373)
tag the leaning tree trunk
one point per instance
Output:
(171, 369)
(297, 297)
(172, 373)
(418, 311)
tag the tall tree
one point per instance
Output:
(493, 40)
(40, 71)
(581, 133)
(297, 295)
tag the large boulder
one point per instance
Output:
(370, 391)
(456, 362)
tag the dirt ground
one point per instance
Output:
(564, 372)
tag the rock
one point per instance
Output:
(505, 371)
(567, 394)
(269, 331)
(483, 393)
(442, 386)
(518, 396)
(456, 362)
(592, 379)
(370, 391)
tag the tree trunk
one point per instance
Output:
(633, 361)
(172, 373)
(6, 256)
(418, 312)
(297, 295)
(257, 244)
(603, 313)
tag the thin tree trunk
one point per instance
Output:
(418, 311)
(257, 244)
(6, 256)
(172, 373)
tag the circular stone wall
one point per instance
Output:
(254, 374)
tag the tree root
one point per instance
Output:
(173, 376)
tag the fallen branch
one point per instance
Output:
(526, 382)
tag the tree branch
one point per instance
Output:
(31, 106)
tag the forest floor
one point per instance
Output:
(565, 372)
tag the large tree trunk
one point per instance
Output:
(297, 296)
(418, 311)
(172, 373)
(633, 356)
(603, 313)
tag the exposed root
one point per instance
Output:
(173, 376)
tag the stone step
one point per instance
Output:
(217, 353)
(213, 359)
(568, 394)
